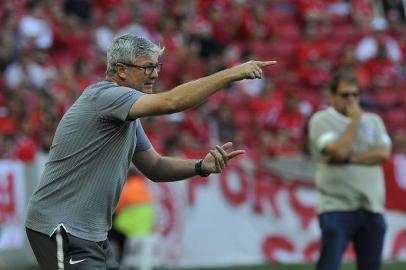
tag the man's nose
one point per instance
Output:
(154, 73)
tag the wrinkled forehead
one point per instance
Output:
(147, 60)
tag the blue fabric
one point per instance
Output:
(364, 229)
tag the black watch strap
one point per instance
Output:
(198, 169)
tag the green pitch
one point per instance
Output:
(346, 266)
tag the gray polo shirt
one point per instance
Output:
(88, 163)
(351, 186)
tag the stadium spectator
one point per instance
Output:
(380, 70)
(79, 8)
(107, 31)
(368, 46)
(8, 40)
(348, 61)
(26, 72)
(349, 146)
(69, 213)
(34, 28)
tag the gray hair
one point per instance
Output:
(126, 48)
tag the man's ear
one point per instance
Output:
(120, 70)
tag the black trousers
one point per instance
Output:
(74, 253)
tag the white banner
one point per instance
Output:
(243, 216)
(12, 203)
(238, 218)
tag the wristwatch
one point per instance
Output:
(198, 169)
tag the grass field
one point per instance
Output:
(347, 266)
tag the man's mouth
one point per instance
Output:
(149, 83)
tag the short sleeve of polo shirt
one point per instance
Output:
(116, 102)
(143, 142)
(320, 133)
(382, 137)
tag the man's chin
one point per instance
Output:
(148, 89)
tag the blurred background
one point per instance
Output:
(262, 210)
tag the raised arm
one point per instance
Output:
(193, 93)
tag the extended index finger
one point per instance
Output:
(265, 63)
(235, 153)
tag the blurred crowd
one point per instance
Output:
(50, 50)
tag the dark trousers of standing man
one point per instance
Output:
(366, 230)
(70, 252)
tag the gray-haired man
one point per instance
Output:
(100, 135)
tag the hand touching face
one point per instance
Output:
(346, 99)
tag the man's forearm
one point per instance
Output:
(371, 157)
(342, 147)
(171, 169)
(195, 92)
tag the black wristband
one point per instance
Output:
(198, 169)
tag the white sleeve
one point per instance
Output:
(325, 139)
